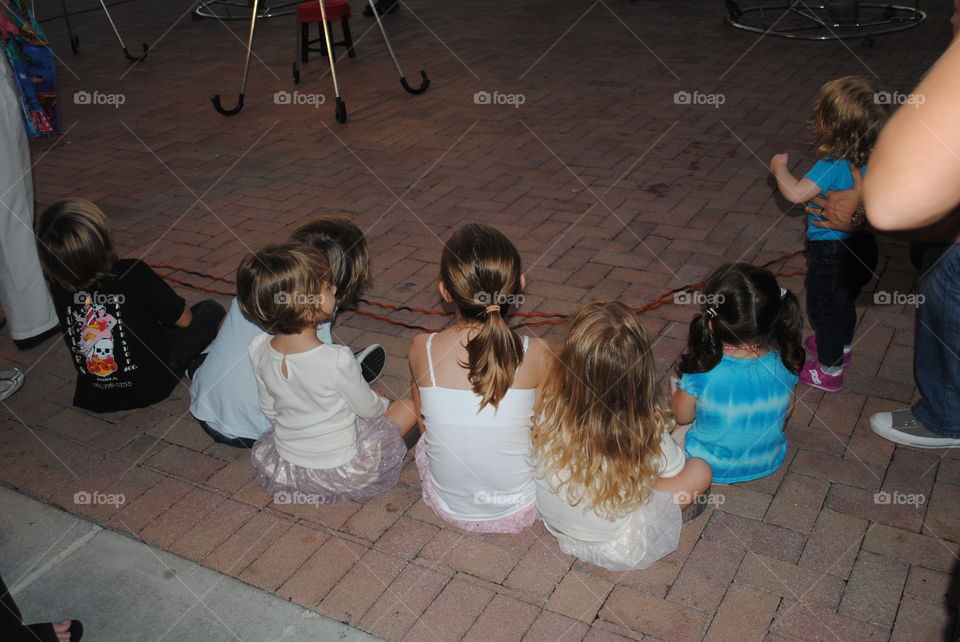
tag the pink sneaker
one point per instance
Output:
(811, 345)
(813, 376)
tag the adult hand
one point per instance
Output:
(839, 206)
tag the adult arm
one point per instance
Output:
(914, 177)
(839, 206)
(838, 209)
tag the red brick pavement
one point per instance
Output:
(609, 189)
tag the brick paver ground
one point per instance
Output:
(609, 188)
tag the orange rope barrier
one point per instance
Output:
(553, 318)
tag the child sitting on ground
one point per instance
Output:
(476, 385)
(847, 119)
(131, 336)
(333, 438)
(738, 374)
(223, 390)
(611, 481)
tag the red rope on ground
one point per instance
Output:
(222, 279)
(197, 287)
(554, 318)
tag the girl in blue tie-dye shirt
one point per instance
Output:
(738, 373)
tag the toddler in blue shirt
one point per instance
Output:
(738, 373)
(848, 115)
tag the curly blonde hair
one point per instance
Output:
(599, 428)
(848, 117)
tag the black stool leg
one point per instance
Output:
(304, 41)
(348, 37)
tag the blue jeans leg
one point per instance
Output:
(937, 352)
(836, 273)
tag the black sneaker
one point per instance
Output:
(412, 437)
(194, 365)
(236, 442)
(372, 360)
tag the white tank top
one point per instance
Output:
(480, 462)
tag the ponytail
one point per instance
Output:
(704, 348)
(493, 356)
(480, 269)
(786, 332)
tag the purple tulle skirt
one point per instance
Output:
(514, 523)
(375, 468)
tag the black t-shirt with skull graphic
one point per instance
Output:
(116, 333)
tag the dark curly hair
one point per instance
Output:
(743, 304)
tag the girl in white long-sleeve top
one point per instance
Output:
(333, 438)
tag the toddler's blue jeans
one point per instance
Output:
(836, 273)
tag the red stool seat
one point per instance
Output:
(309, 13)
(336, 10)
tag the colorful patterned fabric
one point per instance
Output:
(33, 66)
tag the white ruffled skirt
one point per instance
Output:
(652, 533)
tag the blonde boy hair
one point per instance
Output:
(74, 244)
(349, 260)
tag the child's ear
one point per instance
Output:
(523, 282)
(443, 292)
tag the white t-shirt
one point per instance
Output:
(223, 392)
(582, 522)
(313, 410)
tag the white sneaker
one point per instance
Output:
(901, 427)
(11, 379)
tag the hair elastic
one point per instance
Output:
(492, 308)
(783, 292)
(712, 312)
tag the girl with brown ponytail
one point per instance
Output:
(476, 386)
